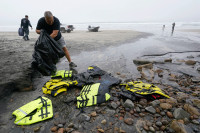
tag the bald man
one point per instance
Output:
(51, 24)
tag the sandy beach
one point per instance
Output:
(173, 65)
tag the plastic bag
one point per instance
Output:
(46, 54)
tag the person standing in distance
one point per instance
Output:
(51, 25)
(24, 24)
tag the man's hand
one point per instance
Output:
(37, 31)
(54, 33)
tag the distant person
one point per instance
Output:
(89, 26)
(163, 28)
(25, 23)
(51, 25)
(173, 26)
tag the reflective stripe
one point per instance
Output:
(22, 111)
(18, 121)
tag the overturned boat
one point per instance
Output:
(93, 29)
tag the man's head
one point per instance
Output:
(48, 17)
(26, 16)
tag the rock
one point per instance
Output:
(190, 62)
(171, 101)
(196, 102)
(84, 117)
(60, 125)
(198, 69)
(101, 130)
(141, 62)
(61, 130)
(162, 113)
(165, 122)
(129, 104)
(141, 114)
(165, 106)
(146, 127)
(128, 121)
(147, 66)
(190, 56)
(162, 128)
(71, 125)
(192, 110)
(143, 102)
(75, 132)
(180, 128)
(155, 103)
(111, 112)
(103, 121)
(158, 123)
(162, 100)
(181, 121)
(138, 109)
(122, 131)
(151, 129)
(179, 113)
(195, 79)
(169, 114)
(56, 123)
(157, 110)
(195, 122)
(150, 109)
(54, 129)
(114, 105)
(93, 114)
(36, 129)
(147, 74)
(68, 129)
(168, 60)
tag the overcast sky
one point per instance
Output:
(81, 11)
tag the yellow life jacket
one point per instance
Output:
(35, 111)
(56, 86)
(90, 96)
(143, 88)
(62, 74)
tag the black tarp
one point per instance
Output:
(47, 53)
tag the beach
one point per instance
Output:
(170, 62)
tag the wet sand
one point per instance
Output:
(191, 30)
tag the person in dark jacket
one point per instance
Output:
(25, 23)
(51, 25)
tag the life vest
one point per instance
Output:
(56, 86)
(143, 88)
(62, 74)
(90, 95)
(35, 111)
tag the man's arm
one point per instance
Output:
(54, 33)
(21, 23)
(29, 23)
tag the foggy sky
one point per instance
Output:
(81, 11)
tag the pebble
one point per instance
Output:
(138, 109)
(101, 130)
(146, 127)
(128, 104)
(195, 122)
(36, 129)
(165, 106)
(114, 105)
(151, 129)
(103, 121)
(143, 102)
(162, 113)
(169, 114)
(128, 121)
(71, 125)
(155, 103)
(56, 123)
(141, 114)
(158, 123)
(61, 130)
(150, 109)
(165, 122)
(60, 125)
(54, 129)
(94, 114)
(157, 110)
(163, 128)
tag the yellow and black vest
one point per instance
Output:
(56, 86)
(90, 96)
(62, 74)
(38, 110)
(143, 88)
